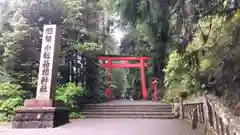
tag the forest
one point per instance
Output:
(193, 45)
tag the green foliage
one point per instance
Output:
(222, 54)
(10, 90)
(156, 29)
(88, 47)
(74, 96)
(76, 115)
(22, 30)
(7, 108)
(11, 97)
(178, 77)
(160, 26)
(118, 81)
(69, 94)
(211, 59)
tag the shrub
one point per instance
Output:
(179, 77)
(70, 94)
(8, 90)
(75, 95)
(11, 97)
(8, 106)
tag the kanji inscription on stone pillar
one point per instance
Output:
(48, 67)
(32, 114)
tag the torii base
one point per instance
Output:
(41, 114)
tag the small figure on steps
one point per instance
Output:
(108, 92)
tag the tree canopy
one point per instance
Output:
(188, 40)
(193, 45)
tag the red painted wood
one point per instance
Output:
(122, 58)
(126, 64)
(108, 92)
(109, 68)
(155, 91)
(155, 81)
(123, 65)
(109, 64)
(143, 77)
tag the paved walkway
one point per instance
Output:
(113, 126)
(110, 127)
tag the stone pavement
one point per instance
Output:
(111, 127)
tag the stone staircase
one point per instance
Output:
(143, 111)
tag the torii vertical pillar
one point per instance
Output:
(109, 71)
(143, 78)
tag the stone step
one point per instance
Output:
(126, 107)
(127, 113)
(131, 116)
(147, 105)
(133, 110)
(126, 110)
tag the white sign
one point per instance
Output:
(47, 77)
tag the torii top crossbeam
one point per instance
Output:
(115, 57)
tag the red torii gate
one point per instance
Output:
(142, 65)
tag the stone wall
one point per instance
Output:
(213, 114)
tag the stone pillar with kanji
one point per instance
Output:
(44, 111)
